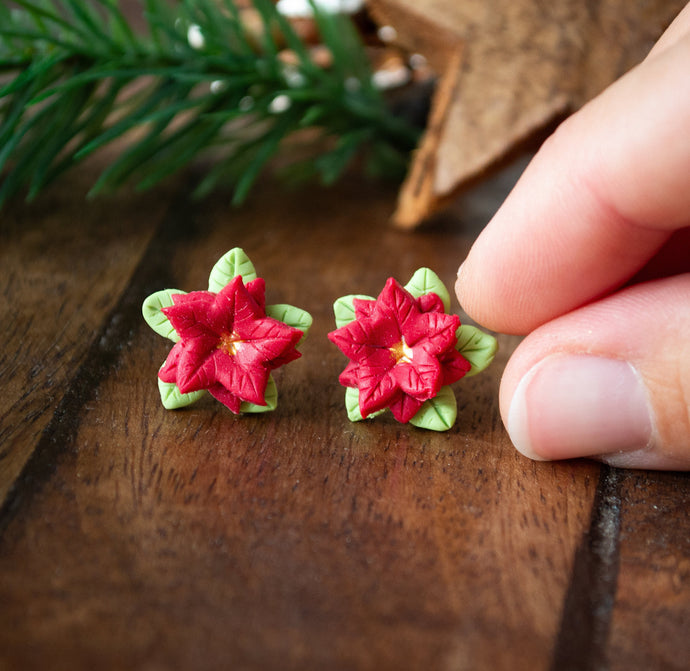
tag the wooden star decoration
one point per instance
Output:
(508, 71)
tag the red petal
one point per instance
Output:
(453, 367)
(287, 356)
(267, 341)
(350, 376)
(363, 307)
(235, 305)
(385, 333)
(221, 314)
(430, 303)
(189, 316)
(195, 367)
(375, 391)
(168, 372)
(376, 366)
(404, 407)
(267, 330)
(195, 296)
(435, 331)
(380, 361)
(396, 304)
(257, 290)
(246, 308)
(247, 382)
(354, 340)
(421, 378)
(227, 398)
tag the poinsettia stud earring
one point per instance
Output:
(405, 351)
(227, 340)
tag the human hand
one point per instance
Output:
(589, 255)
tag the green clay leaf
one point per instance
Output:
(344, 309)
(477, 347)
(271, 398)
(228, 267)
(438, 413)
(173, 398)
(426, 281)
(354, 414)
(151, 310)
(352, 404)
(292, 316)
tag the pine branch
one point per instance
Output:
(75, 77)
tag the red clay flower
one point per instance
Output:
(227, 343)
(401, 351)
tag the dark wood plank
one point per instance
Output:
(196, 539)
(64, 264)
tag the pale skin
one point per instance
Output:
(589, 257)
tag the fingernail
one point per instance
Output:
(570, 406)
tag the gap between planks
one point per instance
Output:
(582, 638)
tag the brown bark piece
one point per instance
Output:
(525, 64)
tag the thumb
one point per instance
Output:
(609, 381)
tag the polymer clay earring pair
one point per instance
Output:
(404, 348)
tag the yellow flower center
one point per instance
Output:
(230, 343)
(401, 353)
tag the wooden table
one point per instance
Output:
(132, 537)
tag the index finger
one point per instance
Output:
(598, 201)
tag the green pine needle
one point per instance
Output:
(75, 77)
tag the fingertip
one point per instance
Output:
(598, 201)
(471, 300)
(498, 301)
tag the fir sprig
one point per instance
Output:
(75, 76)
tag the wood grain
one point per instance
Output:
(139, 538)
(136, 538)
(63, 267)
(152, 539)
